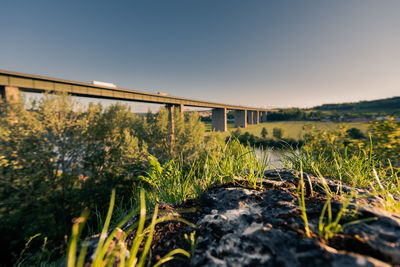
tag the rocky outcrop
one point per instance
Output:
(241, 226)
(245, 227)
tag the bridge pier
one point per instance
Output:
(256, 117)
(241, 118)
(181, 106)
(9, 93)
(263, 116)
(219, 122)
(249, 117)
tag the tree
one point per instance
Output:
(56, 159)
(386, 140)
(264, 132)
(355, 133)
(278, 133)
(189, 135)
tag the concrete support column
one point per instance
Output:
(241, 118)
(9, 93)
(219, 122)
(256, 117)
(249, 117)
(181, 106)
(264, 116)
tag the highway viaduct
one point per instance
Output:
(11, 83)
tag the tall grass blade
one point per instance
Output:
(103, 235)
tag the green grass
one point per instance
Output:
(170, 183)
(292, 129)
(231, 126)
(173, 178)
(113, 248)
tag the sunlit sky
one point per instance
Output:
(247, 52)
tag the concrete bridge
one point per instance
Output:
(11, 83)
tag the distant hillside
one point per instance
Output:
(381, 105)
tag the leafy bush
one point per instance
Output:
(278, 133)
(386, 140)
(113, 248)
(56, 159)
(264, 133)
(263, 143)
(336, 154)
(355, 133)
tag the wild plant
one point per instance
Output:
(236, 160)
(302, 203)
(389, 201)
(112, 246)
(174, 182)
(170, 182)
(191, 239)
(329, 226)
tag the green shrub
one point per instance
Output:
(264, 132)
(278, 133)
(386, 140)
(337, 155)
(355, 133)
(56, 159)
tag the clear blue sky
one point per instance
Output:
(248, 52)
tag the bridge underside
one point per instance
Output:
(11, 83)
(243, 117)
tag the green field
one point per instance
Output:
(293, 129)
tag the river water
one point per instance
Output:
(274, 157)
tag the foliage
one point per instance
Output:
(170, 182)
(302, 204)
(328, 225)
(355, 133)
(173, 182)
(264, 132)
(295, 129)
(294, 114)
(56, 159)
(332, 154)
(357, 162)
(40, 153)
(191, 239)
(386, 140)
(113, 248)
(263, 143)
(362, 106)
(278, 133)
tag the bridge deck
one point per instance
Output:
(40, 84)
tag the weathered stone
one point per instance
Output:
(240, 226)
(244, 227)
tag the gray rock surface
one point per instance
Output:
(244, 227)
(240, 226)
